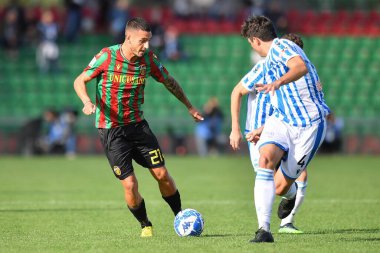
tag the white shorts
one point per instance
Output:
(299, 143)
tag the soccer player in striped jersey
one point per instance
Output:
(258, 110)
(295, 130)
(120, 72)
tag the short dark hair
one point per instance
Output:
(138, 24)
(260, 27)
(295, 38)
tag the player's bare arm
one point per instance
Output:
(297, 69)
(236, 95)
(254, 136)
(173, 86)
(80, 89)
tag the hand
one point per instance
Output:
(271, 87)
(235, 138)
(88, 108)
(253, 136)
(319, 86)
(195, 114)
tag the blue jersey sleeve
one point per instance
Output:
(255, 76)
(283, 50)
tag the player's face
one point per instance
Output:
(138, 41)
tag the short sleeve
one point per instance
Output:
(97, 64)
(284, 50)
(158, 71)
(255, 76)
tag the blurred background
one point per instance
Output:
(46, 44)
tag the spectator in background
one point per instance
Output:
(68, 119)
(118, 18)
(52, 133)
(172, 50)
(254, 8)
(333, 140)
(11, 31)
(32, 18)
(276, 13)
(73, 19)
(208, 133)
(48, 51)
(223, 9)
(157, 42)
(182, 9)
(29, 136)
(60, 136)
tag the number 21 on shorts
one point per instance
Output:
(156, 156)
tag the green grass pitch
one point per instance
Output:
(57, 205)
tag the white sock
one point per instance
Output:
(299, 200)
(264, 196)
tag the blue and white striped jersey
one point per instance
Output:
(258, 104)
(299, 103)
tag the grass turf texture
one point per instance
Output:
(57, 205)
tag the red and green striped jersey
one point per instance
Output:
(120, 85)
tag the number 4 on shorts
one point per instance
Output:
(302, 161)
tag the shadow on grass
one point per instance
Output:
(224, 235)
(346, 231)
(360, 239)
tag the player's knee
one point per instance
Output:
(162, 175)
(266, 161)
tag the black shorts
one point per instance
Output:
(134, 141)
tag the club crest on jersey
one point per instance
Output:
(143, 70)
(117, 170)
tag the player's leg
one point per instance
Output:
(136, 204)
(148, 154)
(167, 188)
(304, 144)
(272, 147)
(119, 153)
(264, 191)
(287, 224)
(287, 188)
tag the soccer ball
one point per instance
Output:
(188, 222)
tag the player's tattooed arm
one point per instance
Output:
(173, 86)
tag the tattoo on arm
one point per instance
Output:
(172, 85)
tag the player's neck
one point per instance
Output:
(266, 46)
(127, 53)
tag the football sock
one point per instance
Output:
(291, 192)
(174, 201)
(264, 192)
(301, 190)
(140, 214)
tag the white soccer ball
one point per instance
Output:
(188, 222)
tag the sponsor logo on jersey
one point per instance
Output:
(125, 79)
(117, 170)
(142, 70)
